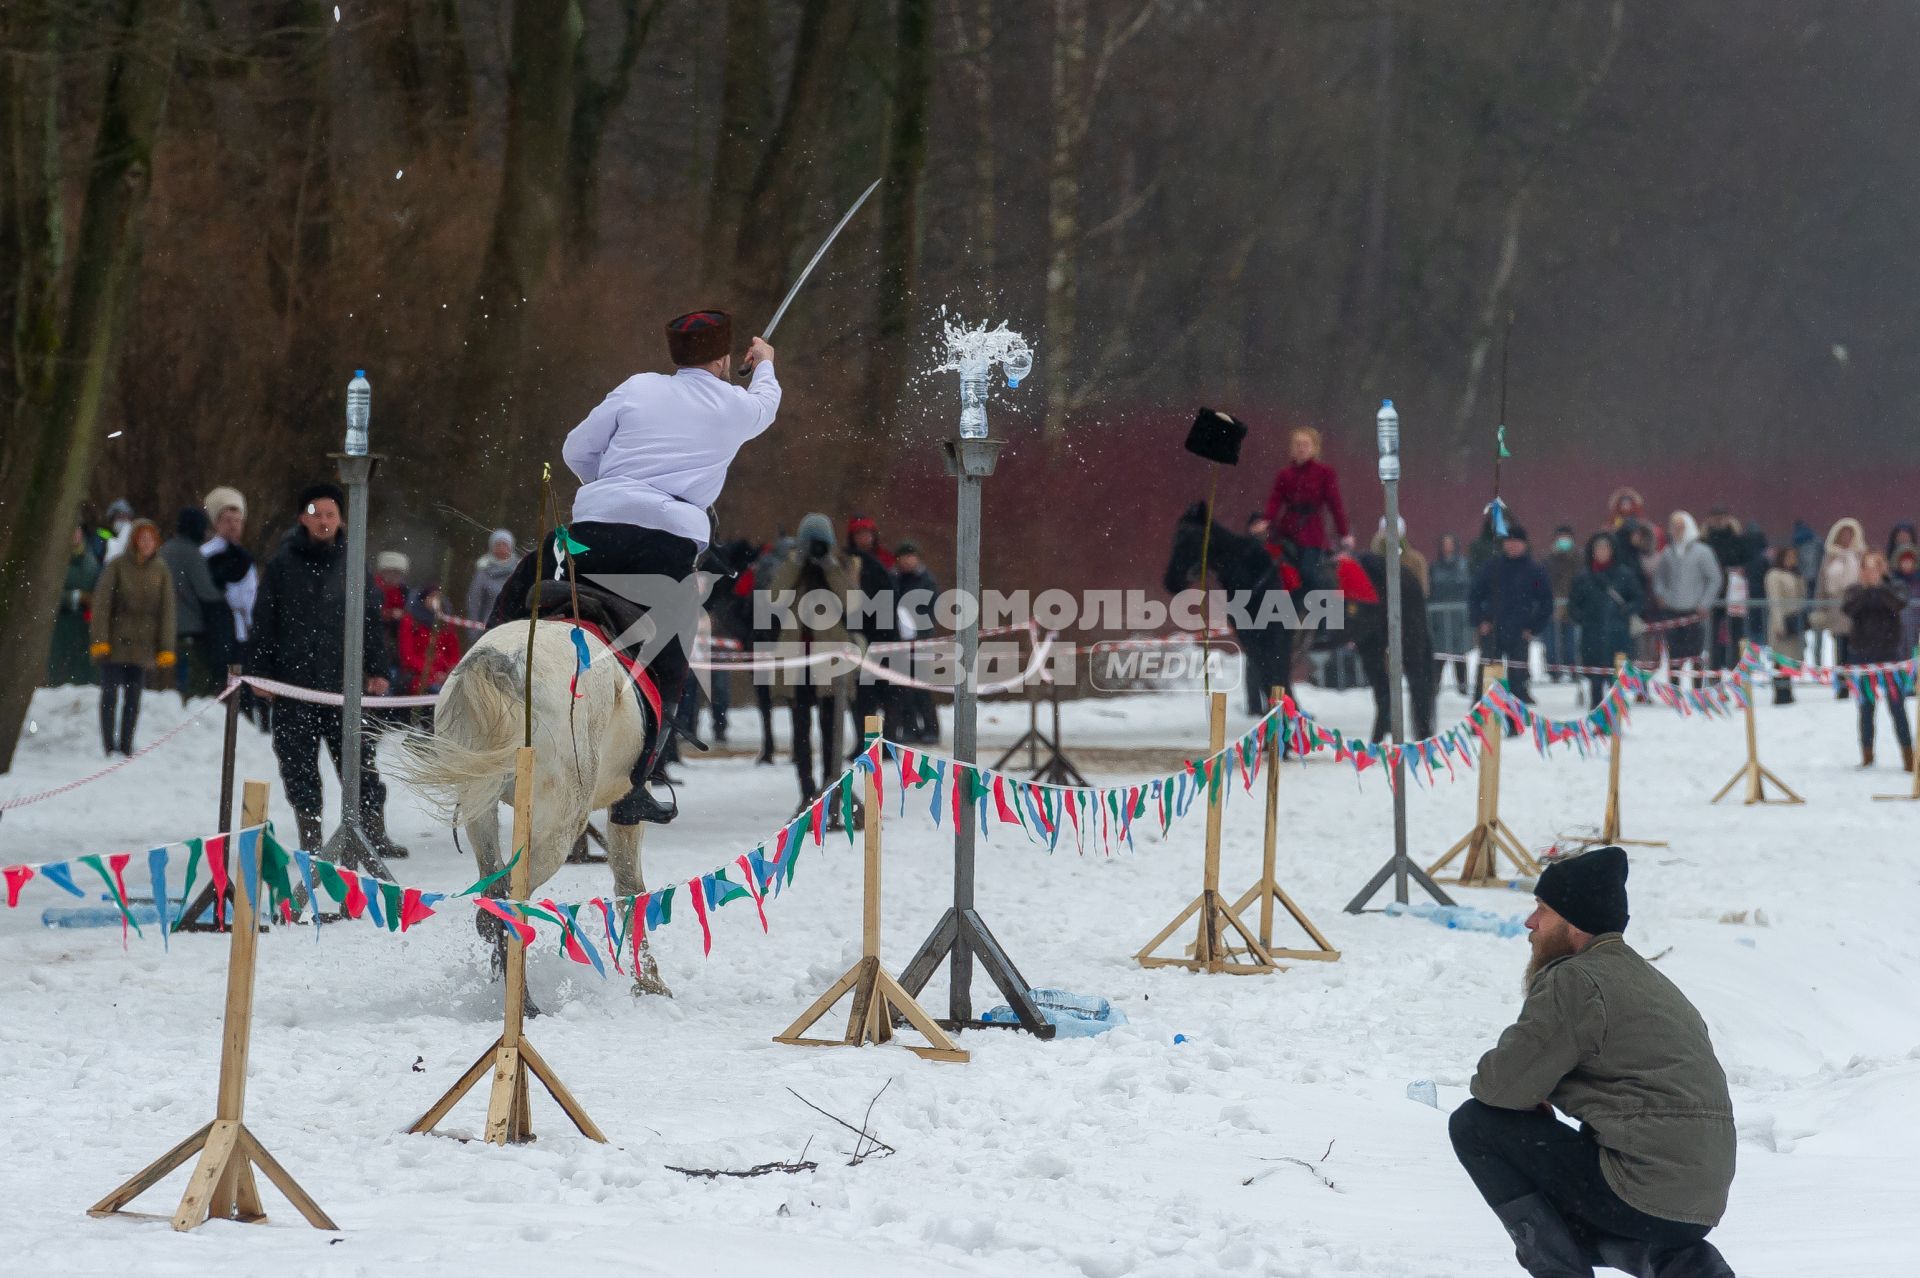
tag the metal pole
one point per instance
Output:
(349, 844)
(228, 750)
(965, 727)
(1395, 696)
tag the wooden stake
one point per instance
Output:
(1913, 793)
(1753, 772)
(1610, 823)
(222, 1184)
(877, 996)
(511, 1057)
(1267, 890)
(1219, 922)
(1489, 838)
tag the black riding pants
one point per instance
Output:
(1511, 1153)
(298, 729)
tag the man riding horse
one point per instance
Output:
(651, 459)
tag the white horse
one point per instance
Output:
(584, 749)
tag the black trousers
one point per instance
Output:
(807, 703)
(1896, 706)
(611, 550)
(1519, 673)
(1511, 1153)
(1596, 689)
(120, 682)
(298, 729)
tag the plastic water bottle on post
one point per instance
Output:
(359, 412)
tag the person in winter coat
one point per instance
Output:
(729, 616)
(298, 637)
(813, 691)
(1485, 548)
(490, 573)
(429, 647)
(67, 659)
(1839, 570)
(863, 538)
(1447, 602)
(1510, 604)
(1906, 571)
(1786, 615)
(200, 607)
(390, 569)
(1727, 621)
(916, 590)
(765, 632)
(133, 630)
(1874, 605)
(1806, 548)
(1603, 602)
(1564, 562)
(1901, 534)
(1306, 492)
(1686, 584)
(1609, 1041)
(231, 567)
(119, 530)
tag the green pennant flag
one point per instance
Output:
(390, 896)
(728, 890)
(1500, 442)
(275, 871)
(665, 897)
(195, 847)
(568, 544)
(846, 804)
(480, 888)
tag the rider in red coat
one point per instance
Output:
(1301, 492)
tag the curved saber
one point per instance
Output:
(815, 260)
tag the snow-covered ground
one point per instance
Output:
(1124, 1154)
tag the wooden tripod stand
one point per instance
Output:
(877, 995)
(1056, 768)
(1219, 922)
(1755, 773)
(222, 1184)
(1267, 891)
(1489, 837)
(512, 1057)
(1610, 823)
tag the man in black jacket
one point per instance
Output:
(1510, 603)
(917, 590)
(299, 630)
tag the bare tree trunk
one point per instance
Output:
(770, 224)
(887, 360)
(526, 225)
(54, 434)
(1070, 107)
(32, 233)
(594, 102)
(746, 120)
(299, 175)
(984, 207)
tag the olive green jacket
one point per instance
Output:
(1612, 1042)
(133, 610)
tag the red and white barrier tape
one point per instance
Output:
(294, 692)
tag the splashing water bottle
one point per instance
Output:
(359, 410)
(974, 368)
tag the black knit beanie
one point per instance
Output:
(1588, 890)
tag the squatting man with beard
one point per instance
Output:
(1609, 1041)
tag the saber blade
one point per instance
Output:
(818, 254)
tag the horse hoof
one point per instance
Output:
(645, 985)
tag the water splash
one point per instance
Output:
(972, 352)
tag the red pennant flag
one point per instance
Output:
(909, 774)
(499, 911)
(356, 903)
(569, 938)
(1000, 808)
(17, 876)
(698, 891)
(217, 867)
(753, 889)
(879, 786)
(413, 909)
(638, 928)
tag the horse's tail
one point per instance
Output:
(462, 765)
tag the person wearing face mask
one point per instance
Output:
(1563, 564)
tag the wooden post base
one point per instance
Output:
(1756, 774)
(222, 1185)
(1484, 844)
(509, 1118)
(1212, 950)
(877, 998)
(1266, 890)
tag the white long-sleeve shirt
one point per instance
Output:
(655, 452)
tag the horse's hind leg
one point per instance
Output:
(623, 855)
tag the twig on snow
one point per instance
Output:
(861, 1150)
(1297, 1162)
(799, 1164)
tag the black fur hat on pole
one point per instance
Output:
(1216, 436)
